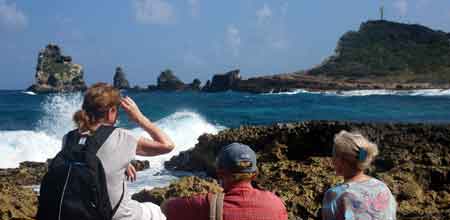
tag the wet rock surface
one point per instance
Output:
(294, 162)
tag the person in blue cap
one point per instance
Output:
(360, 196)
(235, 168)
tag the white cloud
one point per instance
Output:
(194, 7)
(233, 39)
(264, 14)
(401, 6)
(11, 17)
(154, 12)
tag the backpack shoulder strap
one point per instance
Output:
(120, 200)
(101, 135)
(216, 206)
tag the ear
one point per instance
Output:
(112, 114)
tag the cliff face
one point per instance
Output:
(57, 73)
(120, 80)
(294, 161)
(393, 52)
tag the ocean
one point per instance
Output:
(32, 126)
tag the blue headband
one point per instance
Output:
(362, 154)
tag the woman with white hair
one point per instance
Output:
(360, 196)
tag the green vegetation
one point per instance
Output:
(388, 51)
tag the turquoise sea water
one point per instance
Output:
(32, 126)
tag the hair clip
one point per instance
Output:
(362, 154)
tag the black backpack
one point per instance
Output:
(74, 187)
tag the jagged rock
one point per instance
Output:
(223, 82)
(28, 173)
(57, 73)
(17, 202)
(120, 81)
(294, 162)
(186, 186)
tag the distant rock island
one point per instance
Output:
(380, 55)
(167, 81)
(120, 81)
(57, 73)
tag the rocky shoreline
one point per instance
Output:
(294, 163)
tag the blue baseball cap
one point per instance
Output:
(237, 158)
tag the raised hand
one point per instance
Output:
(131, 109)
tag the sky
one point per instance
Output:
(194, 38)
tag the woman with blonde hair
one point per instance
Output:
(360, 196)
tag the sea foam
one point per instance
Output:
(44, 141)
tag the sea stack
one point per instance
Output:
(56, 72)
(120, 80)
(167, 81)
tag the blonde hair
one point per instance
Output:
(355, 149)
(98, 99)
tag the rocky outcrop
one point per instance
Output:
(17, 202)
(27, 174)
(120, 80)
(186, 186)
(169, 82)
(294, 162)
(57, 73)
(380, 55)
(383, 51)
(223, 82)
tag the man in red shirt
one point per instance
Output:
(236, 168)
